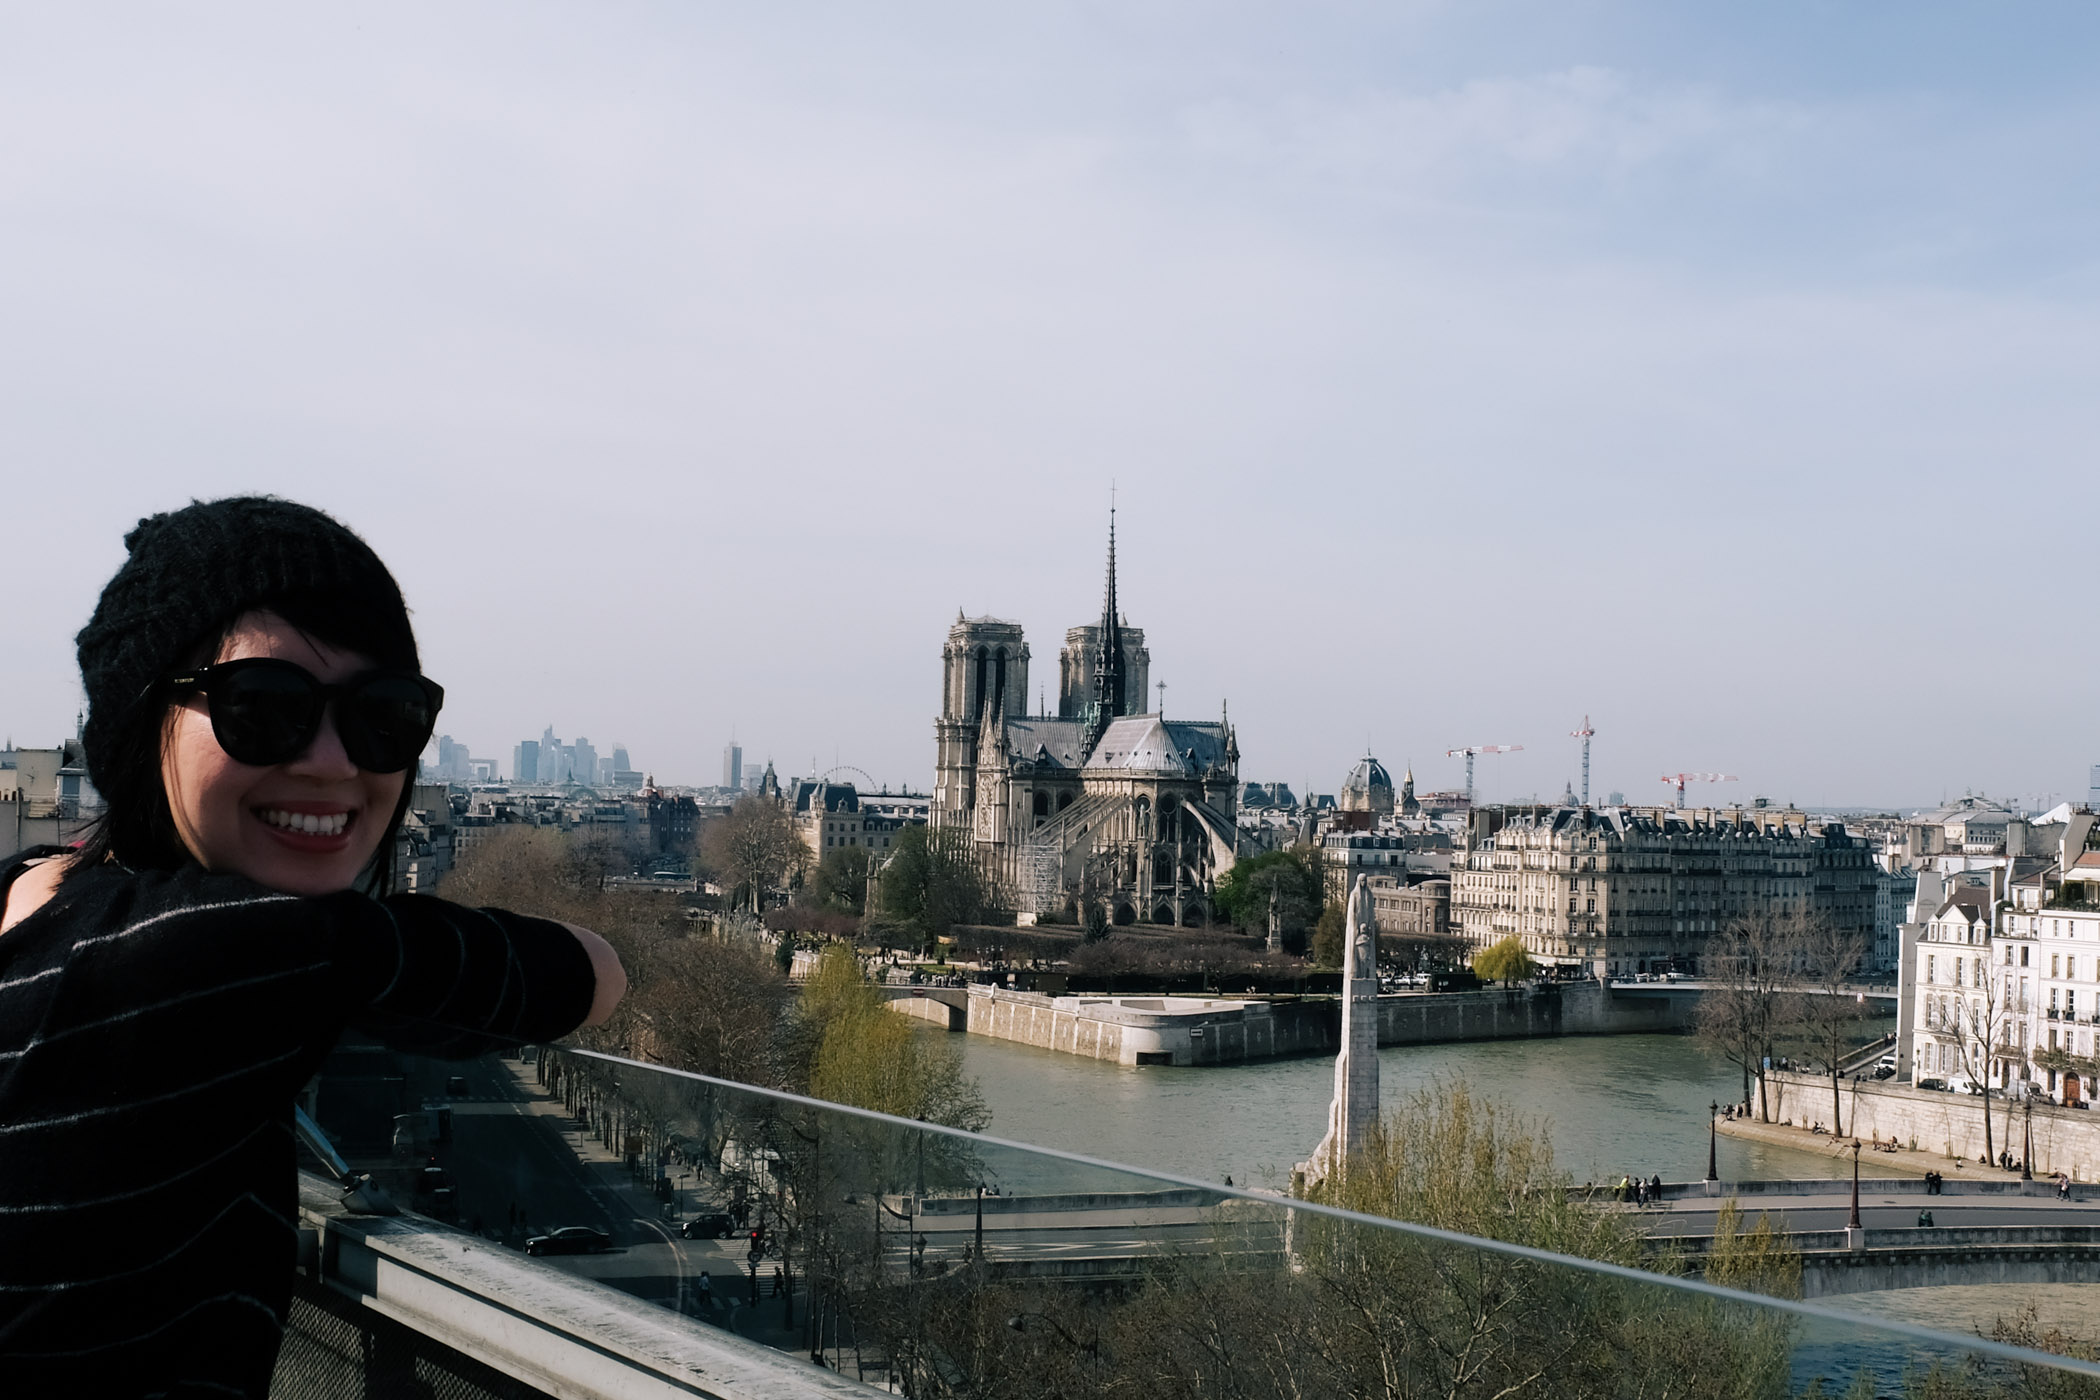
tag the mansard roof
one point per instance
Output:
(825, 797)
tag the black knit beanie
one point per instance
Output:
(191, 574)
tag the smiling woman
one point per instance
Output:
(254, 710)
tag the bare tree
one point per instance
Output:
(1742, 1017)
(755, 846)
(1826, 957)
(1981, 1015)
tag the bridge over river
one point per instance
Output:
(1981, 1232)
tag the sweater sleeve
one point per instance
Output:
(460, 982)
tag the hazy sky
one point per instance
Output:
(1726, 373)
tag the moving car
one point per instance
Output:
(712, 1225)
(570, 1239)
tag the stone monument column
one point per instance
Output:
(1354, 1111)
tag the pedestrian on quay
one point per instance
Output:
(707, 1290)
(779, 1281)
(1655, 1188)
(254, 717)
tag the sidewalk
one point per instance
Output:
(606, 1176)
(1839, 1150)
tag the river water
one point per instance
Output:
(1612, 1105)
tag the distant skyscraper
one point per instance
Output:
(733, 766)
(2092, 796)
(525, 762)
(583, 765)
(619, 759)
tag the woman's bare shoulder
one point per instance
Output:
(33, 888)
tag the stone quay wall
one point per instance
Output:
(1203, 1031)
(1578, 1008)
(2065, 1139)
(1153, 1030)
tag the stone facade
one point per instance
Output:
(1411, 911)
(1622, 890)
(1108, 805)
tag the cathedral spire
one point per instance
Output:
(1108, 657)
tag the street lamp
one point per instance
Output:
(1713, 1140)
(2027, 1153)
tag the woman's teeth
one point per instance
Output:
(310, 823)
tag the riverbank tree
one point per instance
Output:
(1506, 962)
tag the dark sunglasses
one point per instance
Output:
(265, 711)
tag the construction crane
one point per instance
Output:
(1479, 748)
(1584, 734)
(1680, 779)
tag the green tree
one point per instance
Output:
(871, 1057)
(1295, 878)
(1505, 962)
(842, 879)
(1328, 937)
(1096, 922)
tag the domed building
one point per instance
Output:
(1369, 788)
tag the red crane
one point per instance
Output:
(1680, 779)
(1479, 748)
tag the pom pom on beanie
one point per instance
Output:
(193, 572)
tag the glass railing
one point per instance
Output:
(934, 1262)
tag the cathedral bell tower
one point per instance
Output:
(984, 670)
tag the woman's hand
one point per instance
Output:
(605, 966)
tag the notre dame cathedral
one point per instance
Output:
(1099, 804)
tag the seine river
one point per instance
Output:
(1612, 1105)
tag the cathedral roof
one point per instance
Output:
(1061, 741)
(1150, 744)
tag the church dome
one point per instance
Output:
(1368, 788)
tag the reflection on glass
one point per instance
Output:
(940, 1263)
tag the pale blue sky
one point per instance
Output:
(1722, 372)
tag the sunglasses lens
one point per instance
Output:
(264, 715)
(386, 723)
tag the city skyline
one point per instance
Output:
(1460, 371)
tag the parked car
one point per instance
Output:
(570, 1239)
(1932, 1084)
(456, 1085)
(1887, 1062)
(1884, 1071)
(712, 1225)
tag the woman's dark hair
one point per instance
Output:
(192, 575)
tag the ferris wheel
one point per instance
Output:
(866, 783)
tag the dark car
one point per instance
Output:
(456, 1085)
(570, 1239)
(714, 1225)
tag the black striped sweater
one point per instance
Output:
(154, 1030)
